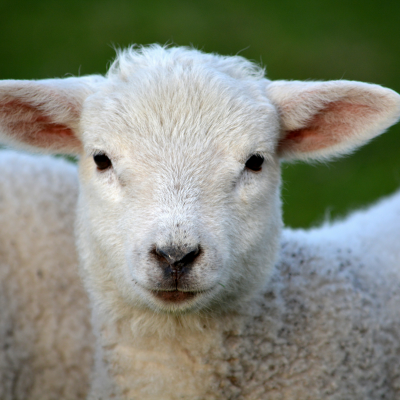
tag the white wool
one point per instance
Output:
(45, 333)
(254, 311)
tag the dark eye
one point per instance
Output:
(255, 162)
(102, 161)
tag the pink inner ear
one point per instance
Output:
(32, 126)
(335, 123)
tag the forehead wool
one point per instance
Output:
(183, 98)
(132, 59)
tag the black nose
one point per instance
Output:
(177, 258)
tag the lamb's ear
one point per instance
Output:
(44, 114)
(325, 119)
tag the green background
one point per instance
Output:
(308, 39)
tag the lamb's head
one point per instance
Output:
(179, 152)
(180, 179)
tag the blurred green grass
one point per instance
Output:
(311, 39)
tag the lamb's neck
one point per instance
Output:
(134, 362)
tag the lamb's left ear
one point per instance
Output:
(44, 114)
(324, 119)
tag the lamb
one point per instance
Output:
(194, 291)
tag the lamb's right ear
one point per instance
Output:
(324, 119)
(44, 114)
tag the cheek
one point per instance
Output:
(255, 214)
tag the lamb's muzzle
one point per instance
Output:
(176, 262)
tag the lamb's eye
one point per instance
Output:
(255, 162)
(102, 161)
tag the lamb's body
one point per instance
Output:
(326, 325)
(45, 334)
(334, 332)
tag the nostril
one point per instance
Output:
(164, 255)
(189, 258)
(177, 256)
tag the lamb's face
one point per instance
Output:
(185, 215)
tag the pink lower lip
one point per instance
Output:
(174, 296)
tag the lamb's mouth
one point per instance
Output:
(174, 296)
